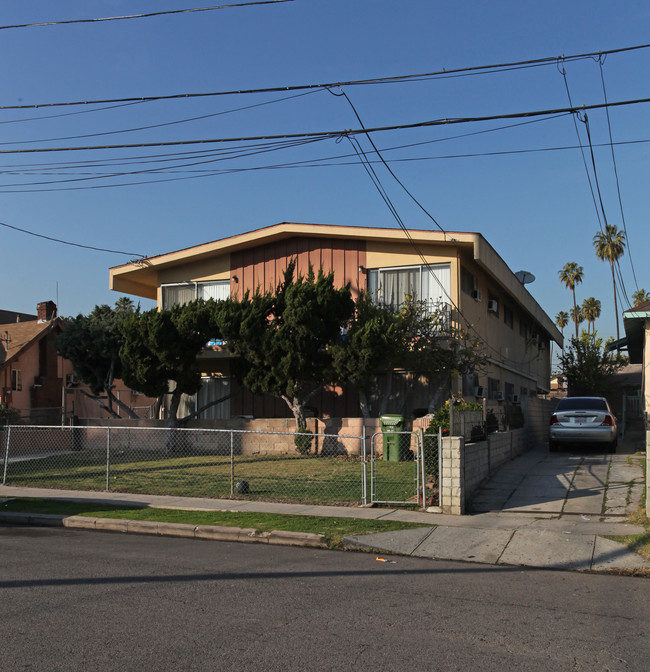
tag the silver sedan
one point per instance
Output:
(583, 420)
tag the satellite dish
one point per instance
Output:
(525, 277)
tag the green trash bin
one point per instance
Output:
(390, 425)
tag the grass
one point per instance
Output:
(333, 529)
(287, 478)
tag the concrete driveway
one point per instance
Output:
(584, 483)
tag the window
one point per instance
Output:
(184, 292)
(431, 283)
(508, 316)
(16, 380)
(509, 390)
(523, 328)
(467, 281)
(493, 388)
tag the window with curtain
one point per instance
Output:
(184, 292)
(431, 283)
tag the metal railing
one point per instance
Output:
(210, 463)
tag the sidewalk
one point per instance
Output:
(540, 510)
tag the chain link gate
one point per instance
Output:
(396, 468)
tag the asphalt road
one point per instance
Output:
(76, 600)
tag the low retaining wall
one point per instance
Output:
(268, 435)
(466, 466)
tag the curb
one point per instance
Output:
(209, 532)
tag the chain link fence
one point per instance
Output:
(212, 463)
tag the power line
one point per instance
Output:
(395, 79)
(66, 242)
(338, 133)
(141, 16)
(160, 125)
(618, 185)
(308, 163)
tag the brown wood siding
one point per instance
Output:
(262, 267)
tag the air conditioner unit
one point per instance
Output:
(514, 398)
(479, 391)
(493, 306)
(499, 395)
(477, 295)
(71, 379)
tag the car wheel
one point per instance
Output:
(612, 447)
(553, 446)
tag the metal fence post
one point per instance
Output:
(364, 465)
(232, 465)
(424, 472)
(4, 476)
(108, 458)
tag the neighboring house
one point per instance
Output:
(637, 338)
(39, 384)
(559, 386)
(456, 272)
(31, 373)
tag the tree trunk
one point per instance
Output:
(615, 301)
(363, 404)
(575, 310)
(120, 404)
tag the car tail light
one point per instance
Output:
(608, 421)
(553, 419)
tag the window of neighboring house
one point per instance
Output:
(16, 380)
(432, 284)
(467, 281)
(184, 292)
(493, 388)
(508, 316)
(523, 392)
(509, 389)
(523, 328)
(470, 383)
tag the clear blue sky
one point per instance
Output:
(535, 208)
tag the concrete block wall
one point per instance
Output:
(466, 466)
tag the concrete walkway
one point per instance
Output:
(550, 510)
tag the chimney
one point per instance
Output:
(46, 311)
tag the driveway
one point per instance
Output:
(583, 483)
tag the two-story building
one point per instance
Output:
(456, 272)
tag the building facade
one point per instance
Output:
(459, 273)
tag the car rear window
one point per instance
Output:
(579, 403)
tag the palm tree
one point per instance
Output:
(610, 245)
(570, 276)
(640, 296)
(562, 319)
(591, 311)
(577, 317)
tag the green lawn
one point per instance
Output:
(287, 478)
(333, 529)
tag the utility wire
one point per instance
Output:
(618, 185)
(66, 242)
(338, 133)
(142, 16)
(582, 150)
(161, 125)
(308, 163)
(329, 85)
(388, 168)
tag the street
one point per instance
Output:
(76, 600)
